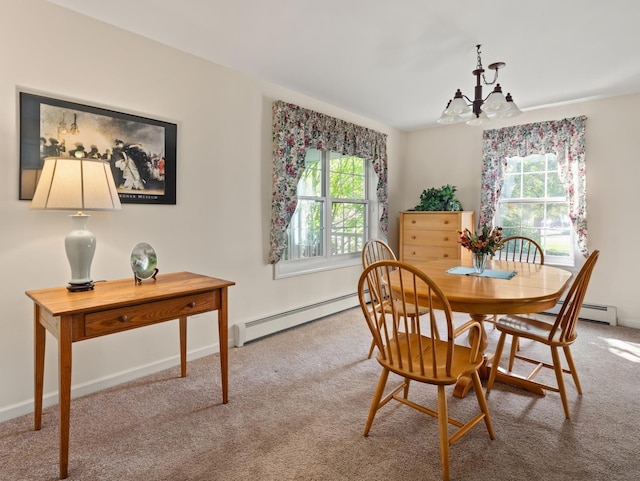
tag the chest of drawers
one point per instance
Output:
(426, 236)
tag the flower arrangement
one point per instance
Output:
(485, 241)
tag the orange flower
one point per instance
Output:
(486, 240)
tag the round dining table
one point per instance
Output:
(533, 288)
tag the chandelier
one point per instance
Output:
(480, 111)
(63, 130)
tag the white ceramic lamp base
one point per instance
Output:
(80, 245)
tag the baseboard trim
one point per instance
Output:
(249, 331)
(51, 398)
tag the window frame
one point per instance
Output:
(294, 267)
(564, 261)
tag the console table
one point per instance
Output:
(116, 306)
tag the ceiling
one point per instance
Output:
(398, 62)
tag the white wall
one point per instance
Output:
(219, 227)
(453, 155)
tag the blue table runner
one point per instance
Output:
(469, 271)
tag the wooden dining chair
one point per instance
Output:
(519, 249)
(407, 352)
(559, 334)
(377, 250)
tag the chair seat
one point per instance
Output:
(530, 328)
(410, 309)
(461, 363)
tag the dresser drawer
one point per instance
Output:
(438, 238)
(115, 320)
(447, 221)
(429, 253)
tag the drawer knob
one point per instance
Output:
(446, 222)
(413, 221)
(413, 237)
(445, 255)
(192, 304)
(123, 318)
(446, 238)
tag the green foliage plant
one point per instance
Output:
(439, 199)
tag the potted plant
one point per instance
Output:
(439, 199)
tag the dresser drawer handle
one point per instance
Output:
(413, 237)
(413, 221)
(445, 255)
(123, 318)
(446, 239)
(192, 304)
(446, 222)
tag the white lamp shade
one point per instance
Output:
(449, 118)
(482, 119)
(512, 110)
(495, 102)
(76, 184)
(458, 106)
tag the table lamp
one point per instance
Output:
(77, 184)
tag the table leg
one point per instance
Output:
(64, 389)
(223, 336)
(40, 339)
(466, 383)
(183, 346)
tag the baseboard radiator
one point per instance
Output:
(593, 312)
(249, 331)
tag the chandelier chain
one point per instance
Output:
(480, 68)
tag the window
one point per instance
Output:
(534, 204)
(330, 224)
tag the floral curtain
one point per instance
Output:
(295, 130)
(564, 138)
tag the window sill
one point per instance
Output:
(282, 270)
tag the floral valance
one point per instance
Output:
(564, 138)
(295, 130)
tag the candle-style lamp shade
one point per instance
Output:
(77, 184)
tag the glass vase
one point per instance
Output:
(479, 262)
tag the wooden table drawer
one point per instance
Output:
(114, 320)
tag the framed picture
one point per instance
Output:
(141, 151)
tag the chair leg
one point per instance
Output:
(482, 401)
(496, 361)
(557, 367)
(443, 423)
(407, 381)
(375, 403)
(572, 366)
(515, 346)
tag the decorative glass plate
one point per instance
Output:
(144, 261)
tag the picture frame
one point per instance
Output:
(140, 150)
